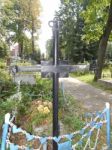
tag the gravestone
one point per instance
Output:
(93, 64)
(25, 78)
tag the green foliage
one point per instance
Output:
(36, 56)
(49, 48)
(41, 90)
(7, 88)
(39, 118)
(24, 104)
(88, 78)
(17, 18)
(95, 16)
(73, 122)
(70, 113)
(4, 76)
(2, 64)
(109, 52)
(6, 107)
(72, 46)
(3, 49)
(28, 111)
(98, 16)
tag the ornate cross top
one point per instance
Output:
(56, 66)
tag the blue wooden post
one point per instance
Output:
(5, 131)
(108, 125)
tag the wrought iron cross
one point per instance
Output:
(56, 69)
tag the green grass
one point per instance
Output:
(70, 111)
(89, 78)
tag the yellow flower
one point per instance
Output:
(46, 110)
(40, 108)
(50, 105)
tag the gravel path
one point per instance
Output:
(92, 98)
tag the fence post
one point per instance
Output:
(108, 125)
(5, 131)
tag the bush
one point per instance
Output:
(2, 64)
(73, 122)
(80, 73)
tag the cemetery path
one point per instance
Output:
(93, 99)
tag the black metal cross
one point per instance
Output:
(55, 69)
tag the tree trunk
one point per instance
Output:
(20, 37)
(32, 33)
(103, 45)
(21, 48)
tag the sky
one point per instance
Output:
(48, 10)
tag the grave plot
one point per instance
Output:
(78, 139)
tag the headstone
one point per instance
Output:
(25, 78)
(93, 65)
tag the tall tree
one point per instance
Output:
(17, 20)
(98, 20)
(34, 11)
(71, 44)
(4, 34)
(103, 44)
(49, 47)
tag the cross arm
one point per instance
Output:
(36, 68)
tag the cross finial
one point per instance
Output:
(55, 23)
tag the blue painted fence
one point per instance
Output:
(102, 117)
